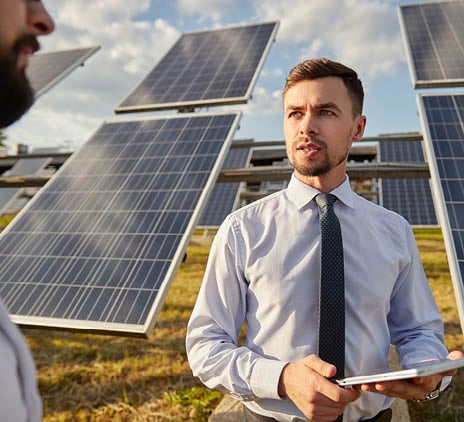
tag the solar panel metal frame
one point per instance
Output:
(423, 83)
(136, 330)
(233, 188)
(54, 55)
(440, 205)
(202, 102)
(415, 186)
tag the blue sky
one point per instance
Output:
(134, 35)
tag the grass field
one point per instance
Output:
(89, 377)
(450, 406)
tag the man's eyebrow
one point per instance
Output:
(293, 107)
(320, 106)
(328, 105)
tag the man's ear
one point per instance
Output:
(360, 125)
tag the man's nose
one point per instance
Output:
(308, 125)
(39, 20)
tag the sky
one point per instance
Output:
(134, 35)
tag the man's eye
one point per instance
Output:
(326, 112)
(294, 114)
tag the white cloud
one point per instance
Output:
(272, 73)
(130, 47)
(134, 35)
(127, 42)
(264, 102)
(314, 49)
(205, 9)
(362, 33)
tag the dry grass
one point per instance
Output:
(85, 377)
(450, 406)
(88, 377)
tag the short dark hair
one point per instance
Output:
(321, 68)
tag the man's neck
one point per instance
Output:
(324, 183)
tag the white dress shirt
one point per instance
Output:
(19, 396)
(264, 270)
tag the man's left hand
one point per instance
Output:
(415, 389)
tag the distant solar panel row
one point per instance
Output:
(412, 198)
(224, 197)
(46, 69)
(434, 34)
(205, 68)
(442, 118)
(21, 168)
(98, 246)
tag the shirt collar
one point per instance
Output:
(301, 194)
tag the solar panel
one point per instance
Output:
(442, 119)
(271, 186)
(45, 70)
(412, 198)
(96, 249)
(224, 197)
(22, 167)
(205, 68)
(434, 38)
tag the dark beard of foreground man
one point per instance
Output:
(16, 94)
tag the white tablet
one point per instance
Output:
(421, 369)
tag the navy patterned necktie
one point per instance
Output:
(332, 288)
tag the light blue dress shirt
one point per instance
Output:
(19, 396)
(264, 270)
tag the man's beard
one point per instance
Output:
(16, 94)
(313, 170)
(309, 169)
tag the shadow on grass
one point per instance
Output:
(453, 328)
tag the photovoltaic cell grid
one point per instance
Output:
(97, 247)
(224, 197)
(46, 69)
(434, 39)
(205, 68)
(442, 118)
(412, 198)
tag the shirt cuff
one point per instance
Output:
(445, 382)
(264, 380)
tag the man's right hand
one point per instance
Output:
(306, 384)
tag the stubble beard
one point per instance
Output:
(308, 168)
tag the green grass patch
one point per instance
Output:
(5, 220)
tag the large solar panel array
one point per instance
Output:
(46, 69)
(442, 118)
(434, 35)
(96, 249)
(412, 198)
(225, 196)
(205, 68)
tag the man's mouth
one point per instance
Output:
(25, 47)
(308, 147)
(23, 56)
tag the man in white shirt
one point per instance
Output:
(21, 22)
(264, 271)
